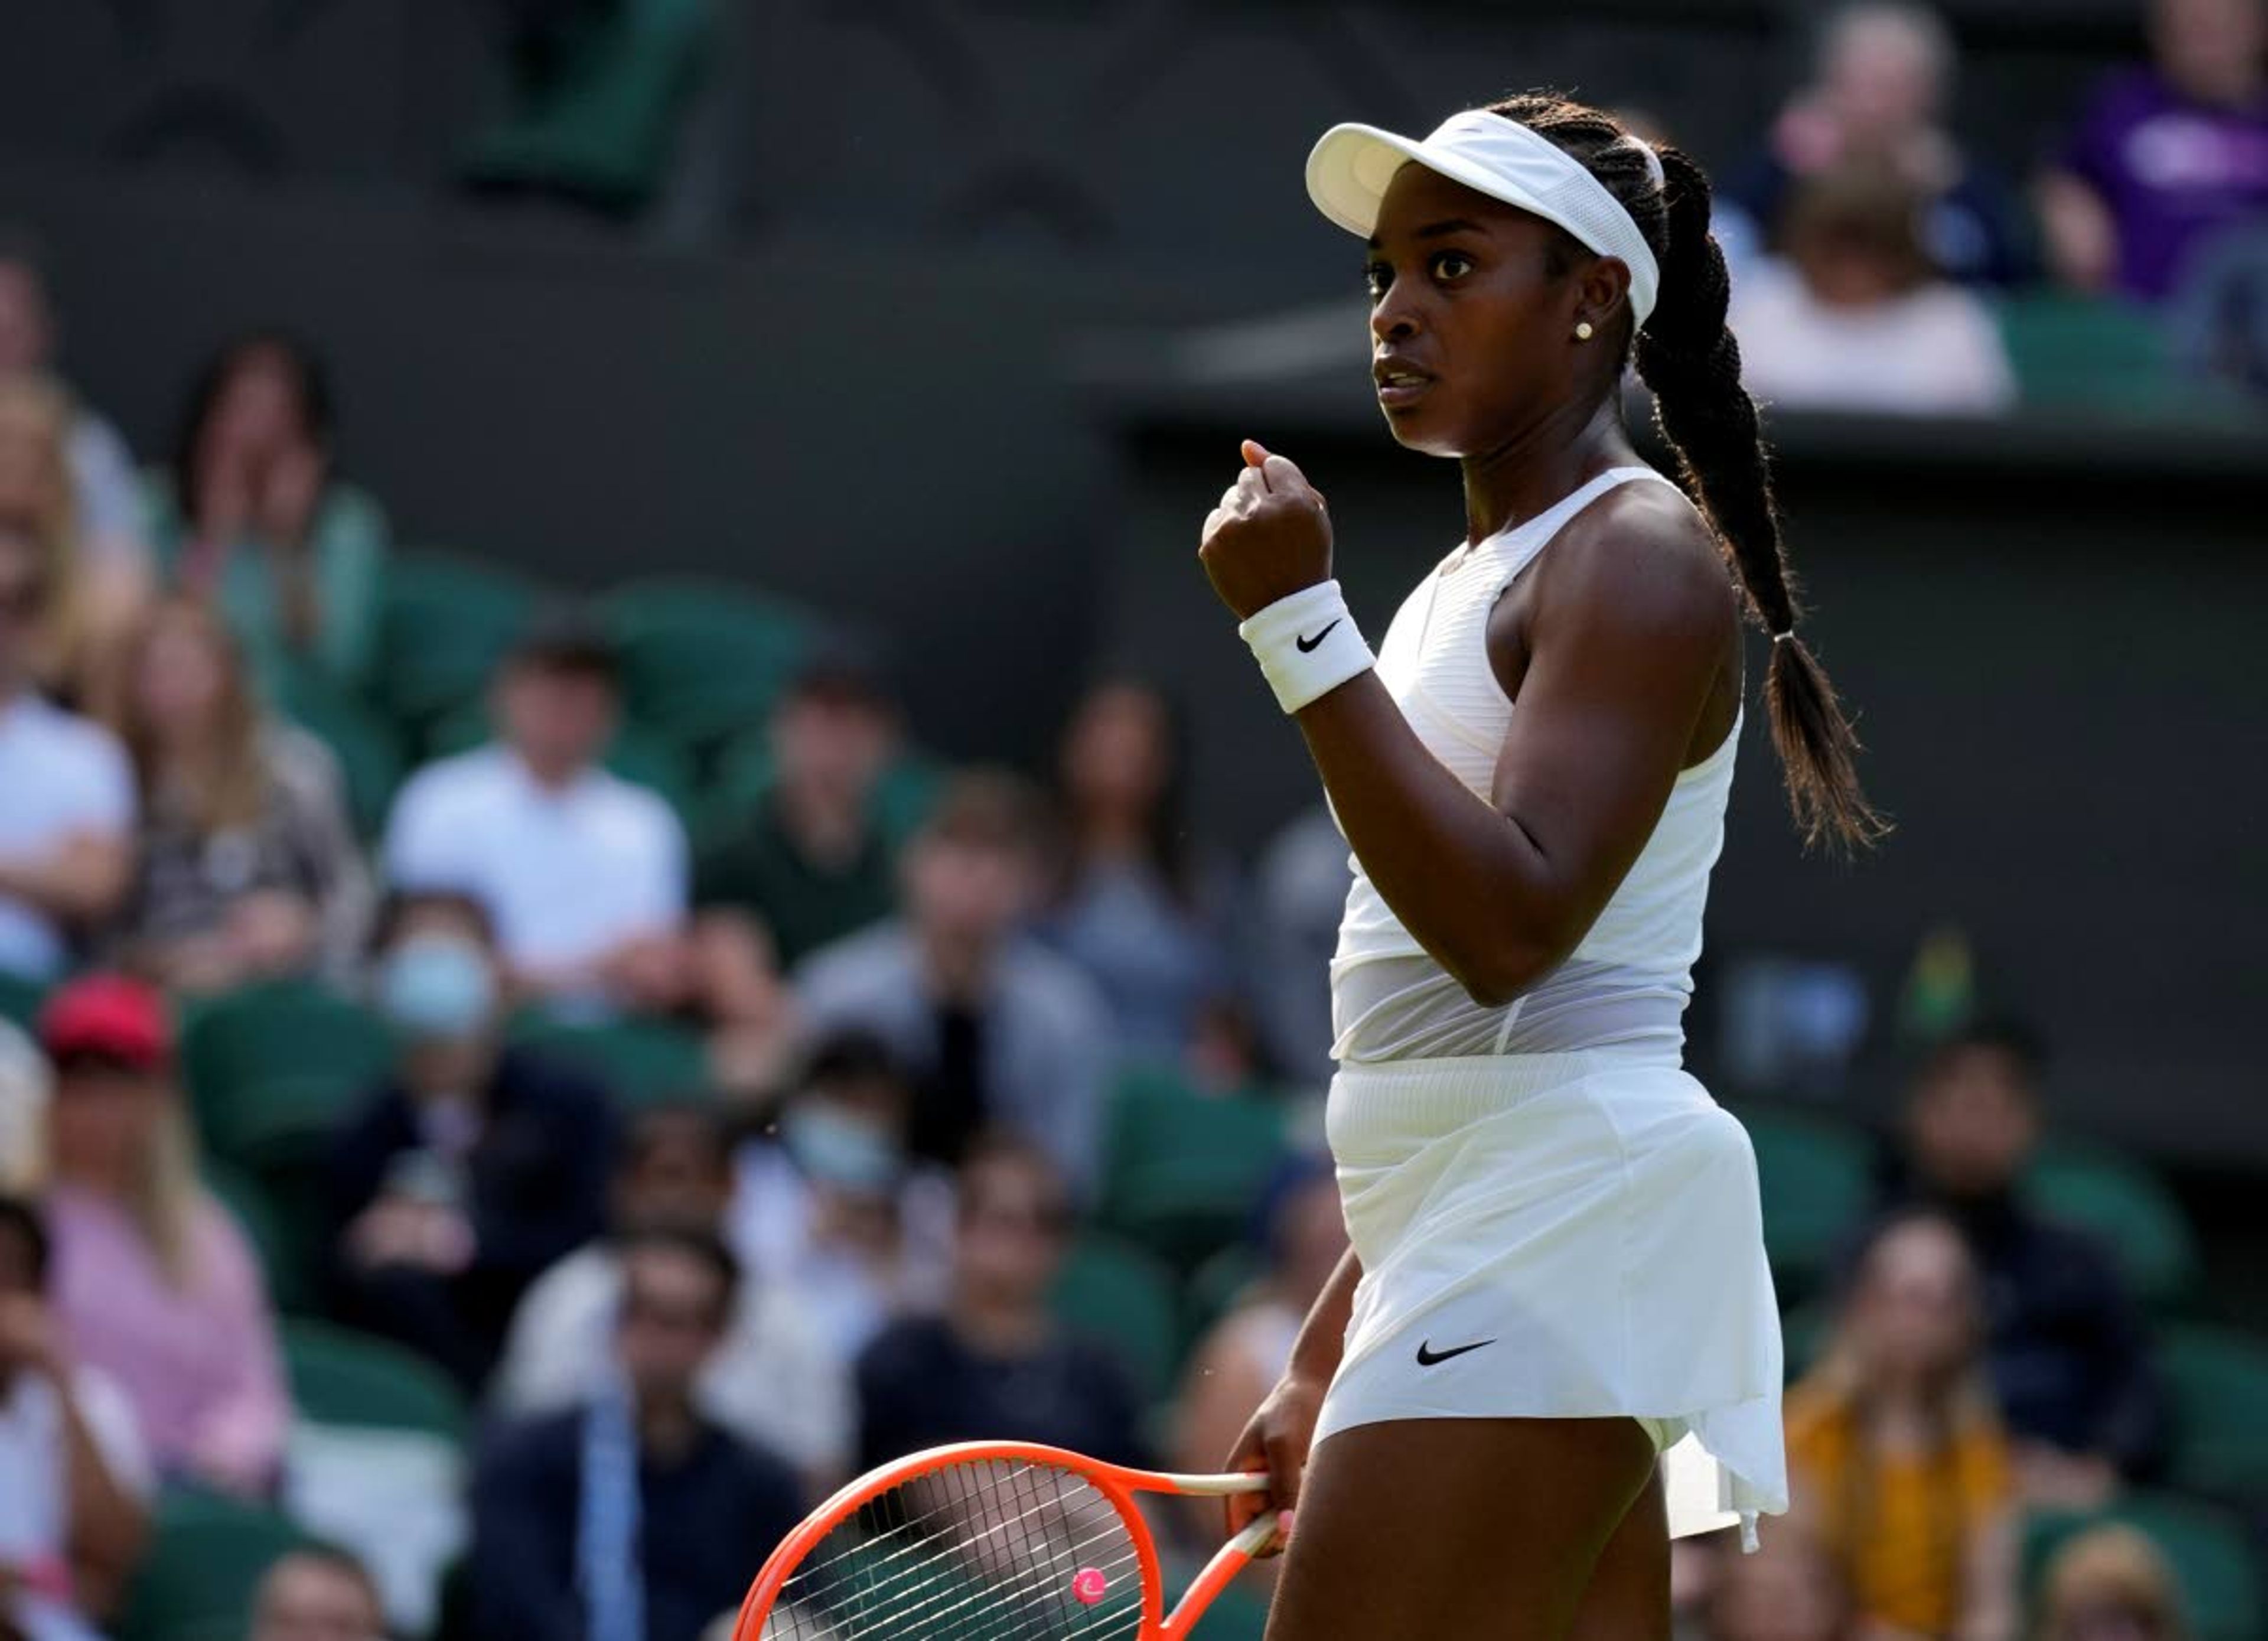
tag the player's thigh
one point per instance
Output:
(1416, 1529)
(1628, 1597)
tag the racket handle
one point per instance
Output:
(1229, 1560)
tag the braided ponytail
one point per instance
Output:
(1689, 358)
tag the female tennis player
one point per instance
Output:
(1558, 1272)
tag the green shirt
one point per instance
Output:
(348, 543)
(806, 903)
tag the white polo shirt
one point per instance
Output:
(569, 874)
(61, 777)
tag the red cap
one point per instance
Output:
(108, 1015)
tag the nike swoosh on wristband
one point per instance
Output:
(1428, 1357)
(1307, 645)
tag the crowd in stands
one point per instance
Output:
(662, 1119)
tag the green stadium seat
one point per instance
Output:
(704, 661)
(448, 621)
(1124, 1297)
(2212, 1558)
(273, 1068)
(2125, 1204)
(600, 126)
(341, 1377)
(1815, 1183)
(205, 1558)
(1185, 1168)
(642, 1062)
(2217, 1381)
(2081, 352)
(368, 757)
(289, 1250)
(20, 999)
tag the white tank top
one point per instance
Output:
(1626, 986)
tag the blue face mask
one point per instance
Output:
(437, 988)
(839, 1149)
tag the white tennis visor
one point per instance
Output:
(1349, 170)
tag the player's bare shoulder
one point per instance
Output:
(1640, 563)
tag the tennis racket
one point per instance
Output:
(990, 1541)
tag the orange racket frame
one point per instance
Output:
(1117, 1483)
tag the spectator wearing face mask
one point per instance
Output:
(996, 1030)
(475, 1166)
(318, 1594)
(74, 1481)
(772, 1382)
(828, 1205)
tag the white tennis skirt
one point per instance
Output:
(1563, 1236)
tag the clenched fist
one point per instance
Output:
(1269, 537)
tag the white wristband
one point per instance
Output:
(1307, 645)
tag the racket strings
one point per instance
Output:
(993, 1550)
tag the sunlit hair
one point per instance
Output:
(1687, 355)
(227, 783)
(2114, 1565)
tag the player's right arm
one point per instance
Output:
(1279, 1434)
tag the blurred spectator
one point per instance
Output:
(829, 1206)
(66, 794)
(475, 1167)
(24, 1089)
(318, 1594)
(86, 610)
(107, 496)
(1789, 1590)
(632, 1514)
(584, 871)
(1880, 85)
(1895, 1450)
(997, 1029)
(255, 515)
(75, 1482)
(808, 861)
(247, 868)
(772, 1382)
(2071, 1368)
(1301, 895)
(2109, 1584)
(1303, 1234)
(153, 1281)
(1137, 907)
(2167, 156)
(996, 1362)
(1855, 319)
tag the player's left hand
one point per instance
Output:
(1269, 537)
